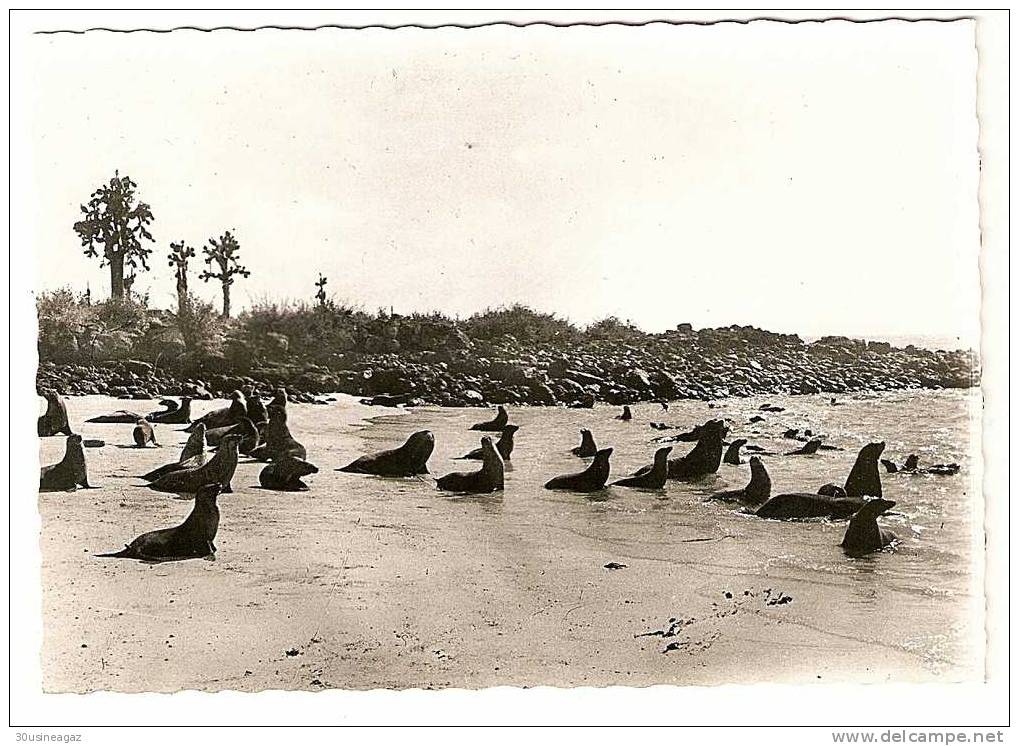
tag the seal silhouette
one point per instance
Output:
(732, 452)
(193, 539)
(172, 412)
(278, 440)
(626, 414)
(592, 479)
(504, 445)
(757, 491)
(706, 456)
(143, 433)
(70, 473)
(808, 449)
(245, 428)
(225, 416)
(284, 474)
(864, 479)
(863, 534)
(650, 478)
(912, 466)
(587, 448)
(495, 425)
(408, 460)
(256, 410)
(120, 417)
(218, 470)
(54, 420)
(191, 456)
(489, 478)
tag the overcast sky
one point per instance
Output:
(811, 178)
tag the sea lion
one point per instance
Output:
(757, 491)
(864, 479)
(626, 416)
(496, 425)
(912, 466)
(408, 460)
(278, 440)
(831, 490)
(120, 417)
(705, 457)
(864, 535)
(488, 478)
(143, 433)
(245, 428)
(504, 445)
(592, 479)
(70, 473)
(172, 412)
(224, 417)
(284, 474)
(218, 470)
(808, 449)
(279, 400)
(587, 448)
(890, 466)
(191, 456)
(388, 400)
(54, 420)
(732, 452)
(650, 478)
(193, 539)
(256, 410)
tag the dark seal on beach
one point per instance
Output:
(120, 417)
(172, 412)
(504, 445)
(496, 425)
(193, 539)
(592, 479)
(732, 452)
(488, 478)
(587, 448)
(757, 491)
(218, 470)
(191, 456)
(70, 473)
(54, 420)
(225, 416)
(626, 415)
(245, 428)
(284, 474)
(706, 456)
(278, 440)
(864, 535)
(143, 434)
(408, 460)
(650, 477)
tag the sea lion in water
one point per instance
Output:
(864, 535)
(408, 460)
(489, 478)
(650, 478)
(626, 416)
(864, 479)
(587, 448)
(912, 466)
(496, 425)
(504, 445)
(245, 428)
(172, 412)
(218, 470)
(191, 456)
(54, 420)
(278, 440)
(757, 491)
(224, 417)
(193, 539)
(808, 449)
(705, 457)
(143, 433)
(284, 474)
(732, 452)
(592, 479)
(69, 473)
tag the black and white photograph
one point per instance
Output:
(398, 355)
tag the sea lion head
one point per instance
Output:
(912, 461)
(295, 468)
(603, 454)
(168, 403)
(488, 448)
(230, 442)
(236, 395)
(832, 490)
(872, 451)
(738, 443)
(876, 507)
(508, 430)
(207, 494)
(661, 454)
(74, 450)
(501, 410)
(419, 446)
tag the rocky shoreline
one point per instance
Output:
(681, 364)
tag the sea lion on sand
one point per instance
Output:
(54, 420)
(278, 440)
(626, 416)
(408, 460)
(496, 425)
(143, 433)
(587, 448)
(757, 491)
(488, 478)
(245, 428)
(732, 452)
(650, 478)
(592, 479)
(504, 445)
(172, 412)
(388, 400)
(256, 410)
(224, 417)
(705, 457)
(864, 535)
(193, 539)
(70, 473)
(120, 417)
(284, 474)
(808, 449)
(864, 478)
(191, 456)
(219, 470)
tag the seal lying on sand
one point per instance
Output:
(191, 456)
(504, 445)
(172, 412)
(650, 477)
(408, 460)
(278, 440)
(732, 452)
(808, 449)
(388, 400)
(143, 434)
(592, 479)
(223, 417)
(284, 474)
(218, 470)
(587, 448)
(120, 417)
(54, 420)
(626, 416)
(488, 478)
(192, 539)
(864, 535)
(245, 428)
(496, 425)
(70, 473)
(756, 492)
(705, 457)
